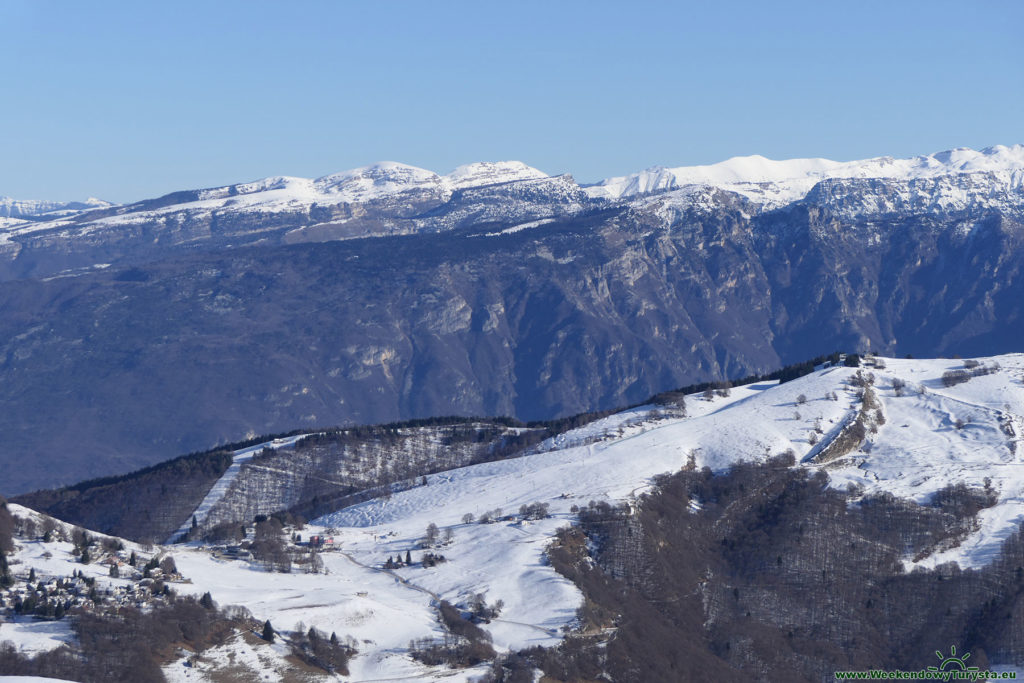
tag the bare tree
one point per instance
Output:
(316, 564)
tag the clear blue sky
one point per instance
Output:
(132, 100)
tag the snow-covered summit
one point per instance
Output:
(375, 182)
(390, 177)
(18, 208)
(492, 173)
(780, 182)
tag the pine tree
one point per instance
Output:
(268, 632)
(408, 558)
(207, 600)
(5, 572)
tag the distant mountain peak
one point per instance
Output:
(492, 173)
(22, 208)
(777, 182)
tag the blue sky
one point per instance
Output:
(132, 100)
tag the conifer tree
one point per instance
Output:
(268, 632)
(5, 572)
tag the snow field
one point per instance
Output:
(932, 436)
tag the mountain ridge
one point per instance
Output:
(739, 170)
(391, 199)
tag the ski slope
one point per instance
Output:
(223, 485)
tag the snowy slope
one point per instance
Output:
(931, 436)
(55, 559)
(914, 454)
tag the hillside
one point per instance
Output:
(304, 473)
(917, 459)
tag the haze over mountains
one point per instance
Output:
(133, 333)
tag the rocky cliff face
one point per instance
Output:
(530, 297)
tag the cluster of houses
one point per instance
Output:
(292, 539)
(52, 597)
(321, 542)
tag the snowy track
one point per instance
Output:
(222, 485)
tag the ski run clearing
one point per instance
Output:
(222, 485)
(931, 436)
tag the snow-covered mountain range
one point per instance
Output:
(776, 183)
(765, 181)
(390, 198)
